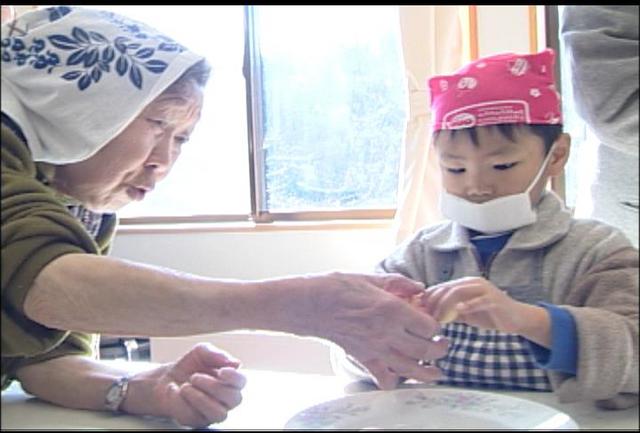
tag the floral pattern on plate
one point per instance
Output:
(430, 408)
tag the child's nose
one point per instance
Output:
(478, 187)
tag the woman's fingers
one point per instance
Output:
(430, 299)
(411, 368)
(387, 378)
(418, 348)
(210, 356)
(408, 340)
(203, 357)
(206, 398)
(204, 409)
(420, 324)
(402, 286)
(366, 317)
(232, 377)
(181, 409)
(381, 374)
(227, 393)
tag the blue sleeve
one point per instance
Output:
(563, 355)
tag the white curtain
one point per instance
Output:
(432, 43)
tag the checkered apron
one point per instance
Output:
(487, 358)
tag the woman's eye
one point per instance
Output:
(182, 139)
(157, 122)
(504, 166)
(456, 170)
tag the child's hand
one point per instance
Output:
(475, 301)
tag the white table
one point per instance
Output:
(270, 399)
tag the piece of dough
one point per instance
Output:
(449, 316)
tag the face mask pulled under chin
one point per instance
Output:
(494, 216)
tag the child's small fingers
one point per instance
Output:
(475, 305)
(445, 309)
(433, 297)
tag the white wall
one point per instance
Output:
(255, 255)
(258, 254)
(503, 29)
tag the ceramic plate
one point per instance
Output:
(431, 409)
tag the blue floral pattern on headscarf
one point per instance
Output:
(93, 53)
(57, 12)
(74, 77)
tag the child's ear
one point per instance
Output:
(560, 154)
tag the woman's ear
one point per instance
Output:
(560, 154)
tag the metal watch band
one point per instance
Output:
(116, 394)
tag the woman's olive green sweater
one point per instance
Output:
(36, 229)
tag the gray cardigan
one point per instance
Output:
(602, 44)
(588, 267)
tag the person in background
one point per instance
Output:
(95, 110)
(601, 43)
(529, 297)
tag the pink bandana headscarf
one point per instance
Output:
(504, 88)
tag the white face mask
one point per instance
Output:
(498, 215)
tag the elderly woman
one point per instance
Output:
(95, 109)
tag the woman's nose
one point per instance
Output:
(161, 159)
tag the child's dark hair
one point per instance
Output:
(548, 133)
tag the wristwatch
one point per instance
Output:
(116, 394)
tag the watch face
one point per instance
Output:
(113, 393)
(116, 393)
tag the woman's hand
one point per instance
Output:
(197, 390)
(366, 317)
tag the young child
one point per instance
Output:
(539, 300)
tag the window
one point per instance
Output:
(211, 175)
(304, 113)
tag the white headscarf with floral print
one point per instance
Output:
(73, 78)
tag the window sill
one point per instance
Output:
(247, 227)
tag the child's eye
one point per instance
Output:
(456, 170)
(504, 166)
